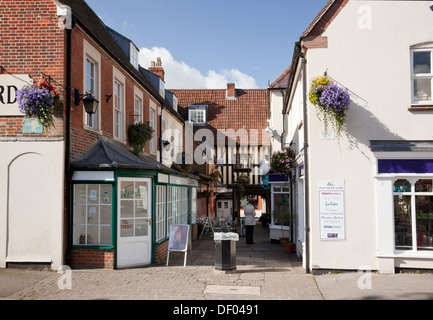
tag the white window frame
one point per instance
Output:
(412, 194)
(91, 54)
(118, 106)
(161, 214)
(134, 55)
(193, 205)
(79, 241)
(138, 110)
(185, 205)
(415, 76)
(152, 123)
(118, 110)
(195, 114)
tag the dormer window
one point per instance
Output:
(134, 56)
(174, 102)
(162, 88)
(197, 114)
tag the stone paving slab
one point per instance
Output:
(263, 269)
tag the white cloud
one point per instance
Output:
(179, 75)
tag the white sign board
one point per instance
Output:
(9, 84)
(332, 210)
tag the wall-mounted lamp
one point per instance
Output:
(89, 101)
(165, 144)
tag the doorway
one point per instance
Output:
(134, 232)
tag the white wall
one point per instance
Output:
(31, 208)
(374, 63)
(175, 137)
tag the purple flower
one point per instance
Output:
(38, 101)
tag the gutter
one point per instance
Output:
(293, 72)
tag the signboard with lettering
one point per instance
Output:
(9, 85)
(332, 210)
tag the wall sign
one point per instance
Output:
(332, 210)
(9, 84)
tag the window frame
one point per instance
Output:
(152, 123)
(118, 110)
(413, 194)
(134, 55)
(138, 110)
(91, 54)
(197, 110)
(99, 245)
(417, 76)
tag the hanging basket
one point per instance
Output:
(332, 102)
(39, 101)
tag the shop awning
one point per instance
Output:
(107, 154)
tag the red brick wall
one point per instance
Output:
(81, 138)
(92, 258)
(31, 42)
(161, 250)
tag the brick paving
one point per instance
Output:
(264, 272)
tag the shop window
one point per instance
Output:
(184, 205)
(413, 215)
(403, 222)
(171, 206)
(92, 214)
(402, 186)
(193, 205)
(423, 186)
(161, 231)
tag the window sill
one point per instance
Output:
(421, 108)
(87, 128)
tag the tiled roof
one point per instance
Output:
(249, 111)
(324, 18)
(282, 81)
(108, 154)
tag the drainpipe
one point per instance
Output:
(283, 135)
(68, 172)
(306, 159)
(160, 134)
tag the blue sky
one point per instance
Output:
(205, 44)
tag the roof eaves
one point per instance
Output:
(79, 9)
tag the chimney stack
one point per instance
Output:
(231, 91)
(156, 68)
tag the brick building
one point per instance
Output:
(229, 128)
(76, 194)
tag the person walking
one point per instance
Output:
(250, 222)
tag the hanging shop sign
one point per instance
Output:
(9, 85)
(332, 210)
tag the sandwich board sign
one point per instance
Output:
(178, 239)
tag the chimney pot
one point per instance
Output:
(156, 68)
